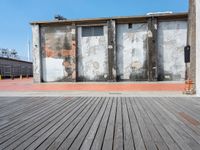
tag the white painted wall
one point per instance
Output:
(131, 49)
(93, 55)
(53, 69)
(172, 37)
(198, 47)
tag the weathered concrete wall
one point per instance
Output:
(172, 37)
(198, 47)
(36, 54)
(58, 53)
(132, 52)
(93, 57)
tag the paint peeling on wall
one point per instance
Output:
(58, 53)
(132, 52)
(93, 56)
(172, 37)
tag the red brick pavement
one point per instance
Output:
(28, 85)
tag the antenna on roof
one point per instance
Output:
(159, 13)
(59, 17)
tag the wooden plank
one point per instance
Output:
(30, 120)
(179, 127)
(13, 123)
(118, 134)
(36, 127)
(34, 103)
(93, 130)
(108, 139)
(128, 134)
(176, 110)
(6, 102)
(40, 133)
(168, 126)
(172, 145)
(157, 139)
(90, 127)
(98, 140)
(137, 136)
(3, 110)
(100, 123)
(63, 127)
(189, 118)
(81, 129)
(187, 104)
(187, 108)
(190, 129)
(148, 141)
(19, 105)
(20, 102)
(29, 124)
(60, 139)
(12, 101)
(27, 110)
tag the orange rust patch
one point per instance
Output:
(68, 53)
(63, 52)
(189, 119)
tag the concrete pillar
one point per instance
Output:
(198, 47)
(112, 50)
(36, 54)
(192, 42)
(152, 48)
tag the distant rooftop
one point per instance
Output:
(14, 59)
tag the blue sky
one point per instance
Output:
(16, 15)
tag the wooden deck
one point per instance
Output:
(100, 123)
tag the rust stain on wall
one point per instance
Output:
(58, 53)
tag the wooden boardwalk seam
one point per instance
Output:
(99, 123)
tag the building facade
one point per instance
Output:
(11, 68)
(140, 48)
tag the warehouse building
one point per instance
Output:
(136, 48)
(13, 68)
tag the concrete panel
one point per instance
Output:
(132, 52)
(172, 37)
(198, 47)
(36, 54)
(93, 56)
(58, 54)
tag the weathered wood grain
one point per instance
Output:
(99, 123)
